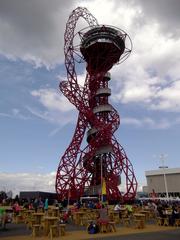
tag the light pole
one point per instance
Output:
(162, 159)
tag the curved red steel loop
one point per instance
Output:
(78, 170)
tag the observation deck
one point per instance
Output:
(102, 47)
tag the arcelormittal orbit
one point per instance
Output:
(103, 161)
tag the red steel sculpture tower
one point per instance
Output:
(80, 171)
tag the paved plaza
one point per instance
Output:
(163, 235)
(20, 232)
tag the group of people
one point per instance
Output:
(40, 204)
(88, 204)
(172, 214)
(35, 204)
(103, 218)
(118, 207)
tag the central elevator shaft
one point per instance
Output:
(102, 110)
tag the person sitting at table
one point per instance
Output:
(91, 205)
(41, 204)
(3, 218)
(46, 205)
(25, 205)
(60, 206)
(65, 217)
(161, 213)
(35, 204)
(174, 215)
(30, 207)
(117, 207)
(74, 208)
(98, 205)
(129, 209)
(55, 203)
(103, 215)
(16, 208)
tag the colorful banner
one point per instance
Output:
(103, 191)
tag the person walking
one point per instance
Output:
(46, 205)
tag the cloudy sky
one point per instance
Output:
(36, 120)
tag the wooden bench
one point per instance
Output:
(36, 230)
(112, 227)
(57, 230)
(126, 222)
(139, 223)
(54, 231)
(106, 226)
(62, 228)
(159, 221)
(18, 219)
(166, 221)
(30, 222)
(103, 227)
(177, 222)
(83, 221)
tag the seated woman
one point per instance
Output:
(103, 215)
(117, 207)
(16, 208)
(3, 218)
(161, 211)
(174, 215)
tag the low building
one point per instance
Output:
(31, 195)
(164, 180)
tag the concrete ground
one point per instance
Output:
(163, 235)
(150, 232)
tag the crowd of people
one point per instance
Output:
(36, 204)
(160, 208)
(171, 212)
(15, 206)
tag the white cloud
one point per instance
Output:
(5, 115)
(53, 100)
(149, 123)
(154, 61)
(56, 108)
(55, 117)
(131, 121)
(28, 182)
(15, 113)
(168, 99)
(33, 30)
(150, 76)
(164, 11)
(17, 182)
(121, 14)
(54, 132)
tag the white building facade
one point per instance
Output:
(164, 181)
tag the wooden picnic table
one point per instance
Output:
(38, 217)
(139, 220)
(77, 216)
(48, 221)
(55, 211)
(146, 213)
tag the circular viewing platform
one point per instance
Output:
(102, 47)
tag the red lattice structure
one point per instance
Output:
(80, 171)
